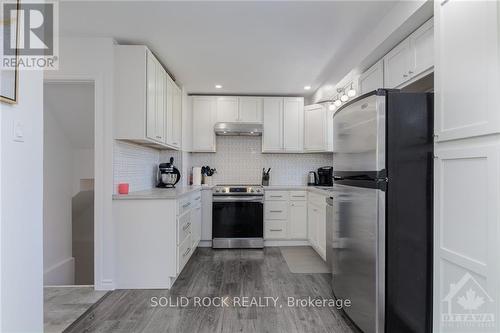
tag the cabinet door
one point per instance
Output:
(177, 117)
(372, 79)
(203, 124)
(312, 214)
(161, 80)
(397, 65)
(272, 138)
(196, 225)
(466, 69)
(298, 220)
(329, 129)
(169, 119)
(151, 65)
(250, 109)
(227, 109)
(293, 124)
(315, 128)
(321, 231)
(422, 45)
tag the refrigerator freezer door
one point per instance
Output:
(359, 135)
(358, 274)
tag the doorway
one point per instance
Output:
(68, 204)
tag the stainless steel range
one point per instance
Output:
(238, 216)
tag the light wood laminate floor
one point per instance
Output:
(254, 273)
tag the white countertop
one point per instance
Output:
(158, 193)
(323, 190)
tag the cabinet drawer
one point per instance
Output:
(184, 204)
(298, 195)
(275, 210)
(184, 227)
(317, 199)
(196, 200)
(184, 253)
(275, 229)
(276, 195)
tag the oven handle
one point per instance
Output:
(234, 198)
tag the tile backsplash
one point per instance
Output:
(239, 160)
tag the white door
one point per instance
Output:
(297, 217)
(466, 70)
(422, 45)
(293, 124)
(250, 109)
(169, 119)
(151, 64)
(272, 138)
(372, 79)
(160, 103)
(203, 124)
(177, 117)
(227, 109)
(397, 65)
(315, 127)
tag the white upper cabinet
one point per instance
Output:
(329, 130)
(272, 138)
(467, 69)
(175, 129)
(397, 65)
(204, 115)
(250, 109)
(227, 109)
(315, 128)
(143, 99)
(293, 124)
(283, 124)
(372, 79)
(411, 58)
(422, 42)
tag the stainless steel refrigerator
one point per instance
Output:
(380, 243)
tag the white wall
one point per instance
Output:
(58, 262)
(21, 177)
(83, 167)
(93, 59)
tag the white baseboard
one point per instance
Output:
(205, 243)
(286, 242)
(106, 284)
(62, 273)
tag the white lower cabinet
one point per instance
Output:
(152, 249)
(285, 215)
(298, 219)
(316, 216)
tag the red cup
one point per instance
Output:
(123, 188)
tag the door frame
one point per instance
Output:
(102, 207)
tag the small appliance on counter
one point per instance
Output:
(196, 176)
(168, 175)
(312, 178)
(325, 176)
(265, 176)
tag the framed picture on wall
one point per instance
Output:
(9, 78)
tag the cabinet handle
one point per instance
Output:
(186, 205)
(187, 251)
(298, 196)
(275, 211)
(197, 198)
(186, 226)
(410, 72)
(276, 196)
(158, 137)
(405, 75)
(275, 229)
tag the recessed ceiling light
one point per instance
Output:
(307, 87)
(218, 86)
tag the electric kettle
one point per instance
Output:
(312, 178)
(169, 175)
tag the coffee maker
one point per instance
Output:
(168, 175)
(325, 176)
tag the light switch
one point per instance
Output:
(18, 132)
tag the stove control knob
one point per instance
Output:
(217, 190)
(224, 191)
(252, 190)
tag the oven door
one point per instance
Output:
(237, 222)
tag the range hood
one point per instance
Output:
(248, 129)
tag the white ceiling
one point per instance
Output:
(72, 104)
(248, 47)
